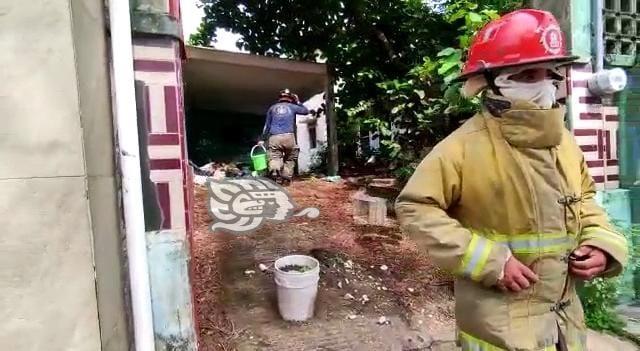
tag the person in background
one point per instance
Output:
(506, 202)
(279, 131)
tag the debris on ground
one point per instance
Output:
(366, 271)
(348, 264)
(348, 296)
(364, 299)
(217, 171)
(333, 179)
(383, 320)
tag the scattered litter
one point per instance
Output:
(365, 299)
(339, 284)
(249, 272)
(411, 290)
(383, 320)
(348, 264)
(333, 179)
(200, 179)
(351, 316)
(378, 288)
(384, 267)
(219, 171)
(346, 281)
(348, 296)
(384, 288)
(219, 174)
(370, 277)
(420, 321)
(263, 267)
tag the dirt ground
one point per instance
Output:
(236, 303)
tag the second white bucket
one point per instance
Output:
(297, 291)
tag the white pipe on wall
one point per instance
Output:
(129, 158)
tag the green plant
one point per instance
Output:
(425, 105)
(392, 60)
(633, 237)
(599, 298)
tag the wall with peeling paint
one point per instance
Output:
(158, 55)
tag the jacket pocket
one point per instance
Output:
(481, 312)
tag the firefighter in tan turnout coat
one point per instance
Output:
(506, 202)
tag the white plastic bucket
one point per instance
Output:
(297, 291)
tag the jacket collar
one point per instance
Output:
(524, 125)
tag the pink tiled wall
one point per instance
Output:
(158, 63)
(595, 127)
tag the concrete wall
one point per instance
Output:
(309, 155)
(58, 195)
(594, 120)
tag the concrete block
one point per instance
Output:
(47, 279)
(373, 208)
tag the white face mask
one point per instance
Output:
(542, 93)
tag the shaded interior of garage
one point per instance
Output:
(227, 96)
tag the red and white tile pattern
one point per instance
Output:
(595, 128)
(157, 63)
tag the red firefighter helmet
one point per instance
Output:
(518, 38)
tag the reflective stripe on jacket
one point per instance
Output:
(474, 199)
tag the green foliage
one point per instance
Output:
(634, 261)
(426, 105)
(599, 298)
(393, 60)
(632, 286)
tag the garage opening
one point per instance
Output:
(228, 94)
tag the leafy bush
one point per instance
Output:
(426, 105)
(600, 296)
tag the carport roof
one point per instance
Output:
(220, 80)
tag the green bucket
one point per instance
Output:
(259, 161)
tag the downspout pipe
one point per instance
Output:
(597, 9)
(129, 158)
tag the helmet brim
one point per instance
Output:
(561, 60)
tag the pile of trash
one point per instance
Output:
(218, 171)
